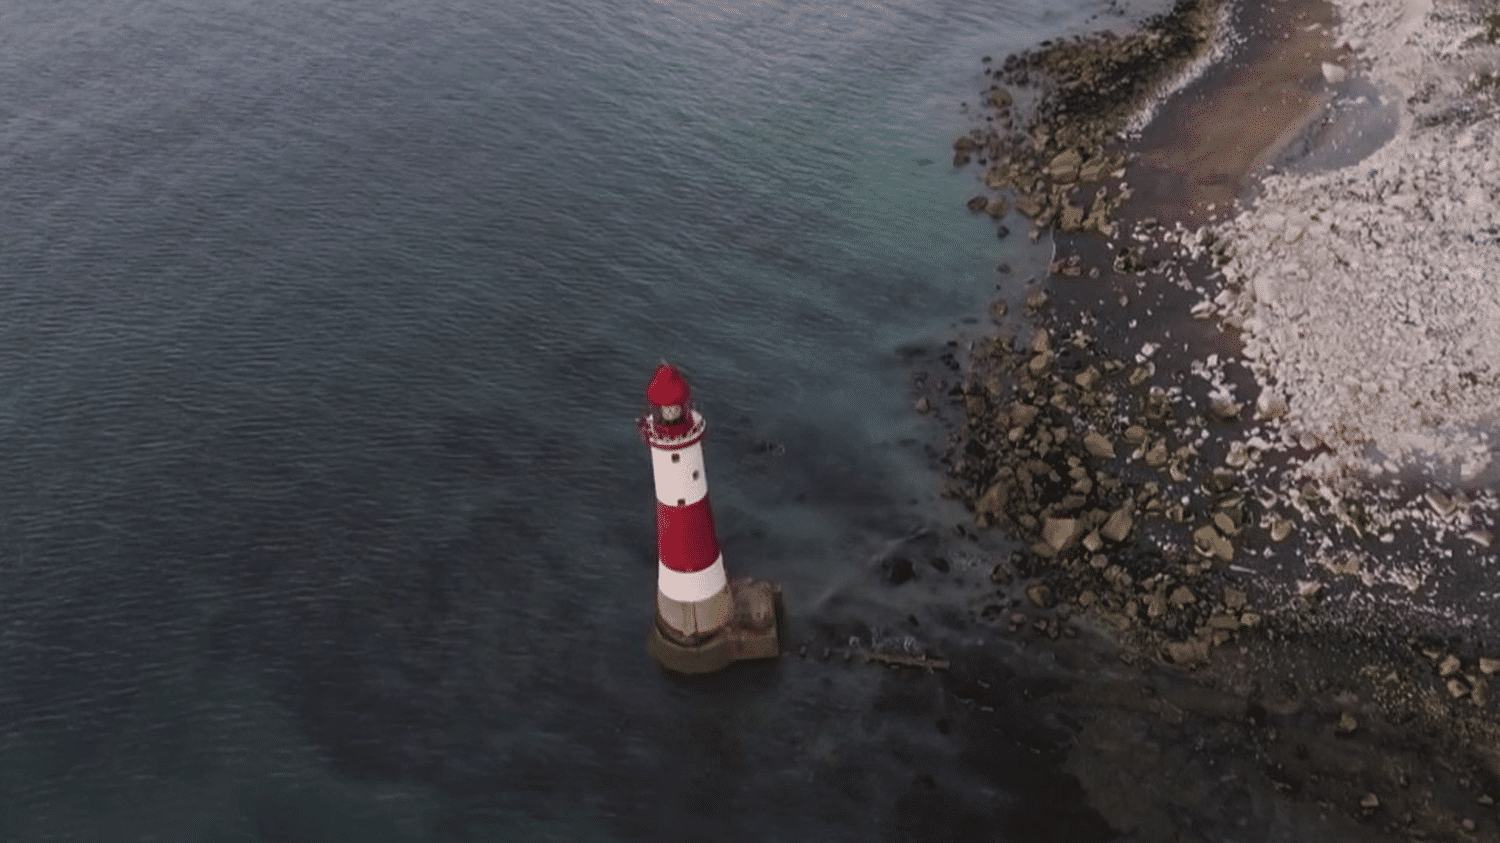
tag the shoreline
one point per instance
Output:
(1139, 469)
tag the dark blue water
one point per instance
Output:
(322, 329)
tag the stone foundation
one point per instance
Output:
(753, 633)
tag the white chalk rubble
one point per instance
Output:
(1369, 296)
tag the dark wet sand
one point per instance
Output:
(1206, 143)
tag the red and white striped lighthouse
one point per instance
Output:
(703, 621)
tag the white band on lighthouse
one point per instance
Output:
(680, 478)
(694, 586)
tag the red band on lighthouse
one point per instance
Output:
(685, 539)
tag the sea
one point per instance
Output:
(323, 327)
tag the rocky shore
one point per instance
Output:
(1118, 433)
(1051, 138)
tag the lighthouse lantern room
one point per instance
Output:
(704, 620)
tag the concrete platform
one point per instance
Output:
(754, 632)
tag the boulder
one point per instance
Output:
(1440, 503)
(1224, 410)
(897, 570)
(1181, 596)
(1071, 219)
(1189, 652)
(1095, 169)
(1030, 205)
(1118, 527)
(1271, 405)
(1224, 621)
(1064, 167)
(1479, 690)
(994, 504)
(1098, 445)
(1156, 604)
(1222, 549)
(1092, 542)
(1060, 533)
(1203, 539)
(1022, 415)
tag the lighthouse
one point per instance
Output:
(704, 620)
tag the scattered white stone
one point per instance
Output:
(1333, 74)
(1440, 503)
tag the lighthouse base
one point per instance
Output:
(753, 632)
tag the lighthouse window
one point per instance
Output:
(695, 475)
(676, 457)
(671, 412)
(682, 501)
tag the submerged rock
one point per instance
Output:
(1040, 596)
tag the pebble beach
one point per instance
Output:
(1243, 428)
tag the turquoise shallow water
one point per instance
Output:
(324, 327)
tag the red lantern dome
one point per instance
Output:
(667, 387)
